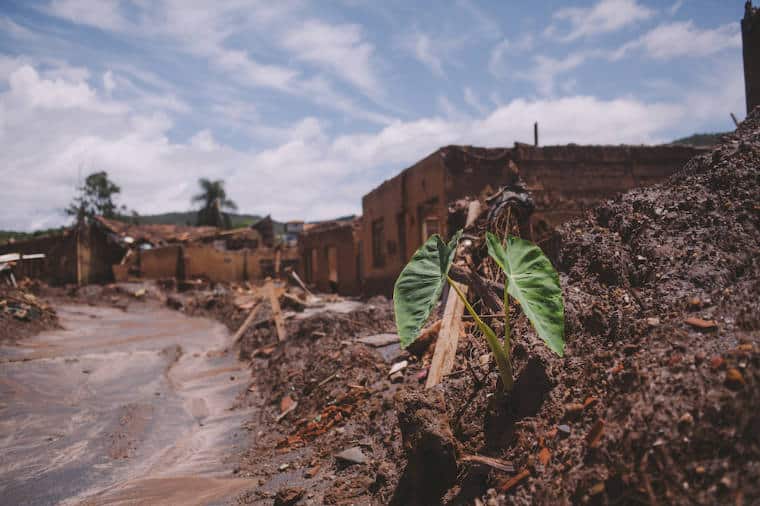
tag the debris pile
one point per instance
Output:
(22, 313)
(655, 400)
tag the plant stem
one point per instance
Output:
(507, 347)
(502, 359)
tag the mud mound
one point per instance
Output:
(656, 399)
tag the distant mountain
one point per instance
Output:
(701, 139)
(188, 218)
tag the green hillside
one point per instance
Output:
(701, 139)
(188, 218)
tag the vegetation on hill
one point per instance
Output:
(701, 139)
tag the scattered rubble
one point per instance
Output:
(22, 313)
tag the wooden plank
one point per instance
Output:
(448, 337)
(246, 323)
(279, 322)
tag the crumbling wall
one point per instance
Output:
(59, 266)
(564, 180)
(161, 262)
(751, 53)
(336, 251)
(203, 261)
(97, 253)
(77, 255)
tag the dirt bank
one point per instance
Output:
(655, 401)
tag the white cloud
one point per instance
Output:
(545, 70)
(103, 14)
(10, 27)
(682, 38)
(571, 23)
(204, 141)
(339, 48)
(55, 129)
(675, 7)
(27, 87)
(108, 82)
(472, 99)
(423, 49)
(204, 29)
(496, 63)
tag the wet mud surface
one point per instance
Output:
(122, 407)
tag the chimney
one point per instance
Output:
(535, 134)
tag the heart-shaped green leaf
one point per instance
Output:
(533, 281)
(419, 285)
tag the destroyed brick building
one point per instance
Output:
(106, 250)
(751, 53)
(564, 180)
(330, 255)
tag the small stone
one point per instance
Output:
(686, 419)
(283, 467)
(699, 357)
(573, 408)
(398, 367)
(716, 362)
(596, 489)
(397, 377)
(353, 455)
(734, 379)
(653, 321)
(564, 429)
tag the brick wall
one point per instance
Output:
(565, 180)
(330, 257)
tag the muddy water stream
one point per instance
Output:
(121, 407)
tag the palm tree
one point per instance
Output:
(213, 199)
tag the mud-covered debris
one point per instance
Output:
(379, 340)
(734, 379)
(493, 463)
(700, 323)
(594, 436)
(429, 446)
(514, 481)
(353, 455)
(398, 367)
(289, 496)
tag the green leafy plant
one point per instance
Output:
(529, 277)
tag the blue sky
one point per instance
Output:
(302, 107)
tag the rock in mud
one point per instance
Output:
(288, 496)
(429, 446)
(353, 455)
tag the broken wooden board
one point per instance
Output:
(448, 337)
(246, 323)
(274, 301)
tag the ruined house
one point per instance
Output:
(330, 255)
(106, 250)
(401, 213)
(751, 53)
